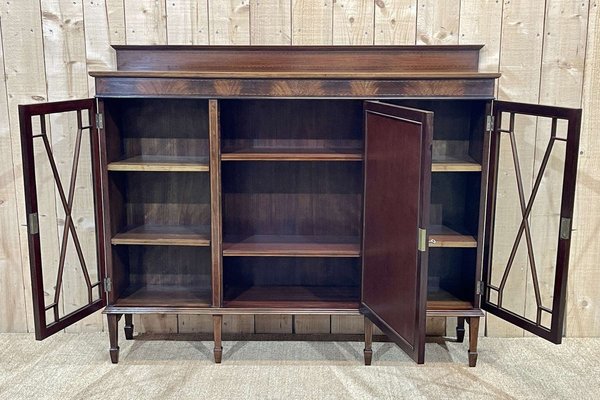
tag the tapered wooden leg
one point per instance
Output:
(460, 329)
(473, 336)
(113, 335)
(368, 341)
(217, 328)
(128, 326)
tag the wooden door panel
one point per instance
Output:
(64, 211)
(396, 207)
(538, 241)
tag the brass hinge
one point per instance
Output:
(422, 240)
(565, 228)
(33, 223)
(489, 123)
(99, 121)
(107, 285)
(479, 287)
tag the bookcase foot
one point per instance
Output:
(368, 352)
(460, 330)
(217, 328)
(113, 335)
(473, 336)
(128, 326)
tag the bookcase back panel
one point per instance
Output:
(292, 198)
(455, 201)
(291, 271)
(158, 127)
(452, 274)
(291, 123)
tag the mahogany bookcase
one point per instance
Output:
(297, 180)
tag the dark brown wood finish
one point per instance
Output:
(96, 294)
(502, 110)
(443, 87)
(396, 206)
(216, 219)
(299, 58)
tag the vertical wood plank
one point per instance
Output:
(395, 22)
(25, 83)
(308, 324)
(353, 22)
(146, 22)
(438, 21)
(187, 21)
(155, 323)
(312, 22)
(273, 324)
(522, 32)
(229, 22)
(66, 71)
(270, 22)
(481, 23)
(238, 323)
(104, 25)
(13, 316)
(195, 324)
(583, 310)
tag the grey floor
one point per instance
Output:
(76, 366)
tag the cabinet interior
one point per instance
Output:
(291, 198)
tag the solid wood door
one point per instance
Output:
(539, 241)
(57, 227)
(396, 213)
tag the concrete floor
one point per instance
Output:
(76, 366)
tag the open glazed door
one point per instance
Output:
(396, 213)
(64, 212)
(531, 191)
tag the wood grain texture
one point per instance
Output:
(481, 22)
(229, 22)
(438, 21)
(353, 22)
(146, 22)
(13, 310)
(187, 21)
(161, 164)
(25, 83)
(395, 21)
(66, 72)
(312, 22)
(270, 22)
(522, 38)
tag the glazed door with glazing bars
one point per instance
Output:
(60, 150)
(531, 191)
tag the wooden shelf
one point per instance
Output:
(292, 154)
(160, 164)
(455, 164)
(442, 300)
(164, 296)
(442, 236)
(164, 235)
(293, 297)
(291, 246)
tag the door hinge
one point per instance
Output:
(565, 228)
(489, 123)
(107, 285)
(33, 223)
(99, 121)
(422, 240)
(479, 287)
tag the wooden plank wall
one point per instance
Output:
(548, 51)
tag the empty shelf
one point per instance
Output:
(293, 297)
(455, 164)
(442, 300)
(164, 296)
(164, 235)
(161, 164)
(442, 236)
(292, 246)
